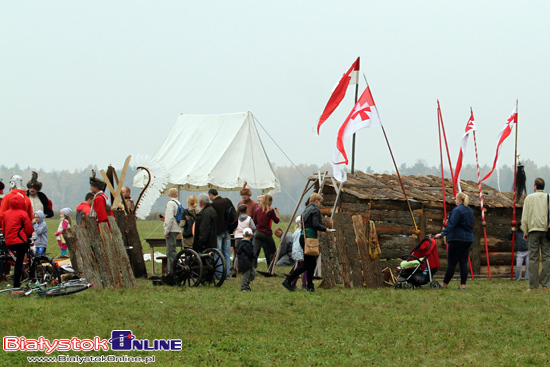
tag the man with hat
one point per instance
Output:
(38, 199)
(101, 206)
(250, 204)
(16, 186)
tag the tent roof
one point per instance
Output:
(216, 151)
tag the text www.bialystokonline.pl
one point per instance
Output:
(88, 359)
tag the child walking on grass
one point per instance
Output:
(245, 254)
(522, 251)
(65, 223)
(41, 232)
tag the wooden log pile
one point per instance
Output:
(99, 255)
(345, 255)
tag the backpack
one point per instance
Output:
(188, 227)
(179, 214)
(231, 217)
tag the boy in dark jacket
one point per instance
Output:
(245, 255)
(17, 229)
(522, 251)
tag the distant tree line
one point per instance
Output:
(68, 188)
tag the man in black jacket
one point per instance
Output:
(205, 226)
(222, 234)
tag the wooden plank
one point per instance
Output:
(354, 254)
(329, 261)
(118, 192)
(343, 231)
(121, 267)
(130, 236)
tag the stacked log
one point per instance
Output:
(394, 225)
(98, 254)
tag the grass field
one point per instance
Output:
(492, 323)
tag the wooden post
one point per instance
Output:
(99, 254)
(130, 236)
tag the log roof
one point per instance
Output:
(421, 188)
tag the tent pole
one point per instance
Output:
(283, 237)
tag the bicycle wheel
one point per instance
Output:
(63, 290)
(44, 270)
(8, 291)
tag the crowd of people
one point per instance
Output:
(23, 213)
(210, 220)
(216, 219)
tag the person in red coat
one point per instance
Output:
(17, 229)
(17, 189)
(101, 206)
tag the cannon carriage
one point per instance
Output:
(193, 269)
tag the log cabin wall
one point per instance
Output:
(368, 196)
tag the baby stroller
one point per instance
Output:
(419, 266)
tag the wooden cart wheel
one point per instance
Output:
(214, 267)
(188, 267)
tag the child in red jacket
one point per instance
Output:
(17, 229)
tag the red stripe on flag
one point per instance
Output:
(337, 95)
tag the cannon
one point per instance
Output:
(193, 269)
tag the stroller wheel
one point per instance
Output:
(435, 285)
(398, 285)
(408, 286)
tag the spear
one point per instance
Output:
(514, 222)
(483, 222)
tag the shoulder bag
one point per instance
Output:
(311, 245)
(547, 215)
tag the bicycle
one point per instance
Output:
(70, 287)
(37, 268)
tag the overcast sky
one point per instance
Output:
(90, 82)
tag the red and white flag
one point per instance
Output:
(504, 133)
(351, 77)
(470, 126)
(363, 115)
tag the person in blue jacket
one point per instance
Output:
(460, 236)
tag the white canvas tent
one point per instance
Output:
(214, 151)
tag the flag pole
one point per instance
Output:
(416, 231)
(442, 172)
(514, 222)
(440, 116)
(483, 222)
(353, 141)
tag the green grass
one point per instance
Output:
(492, 323)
